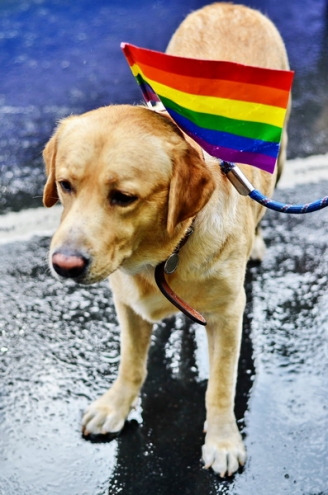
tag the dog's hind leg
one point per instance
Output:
(259, 248)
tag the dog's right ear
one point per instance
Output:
(191, 187)
(50, 194)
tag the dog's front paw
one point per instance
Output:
(107, 414)
(224, 450)
(100, 419)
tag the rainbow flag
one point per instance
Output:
(234, 112)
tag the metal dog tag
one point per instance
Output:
(171, 263)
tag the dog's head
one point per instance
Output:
(128, 181)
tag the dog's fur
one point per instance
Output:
(93, 158)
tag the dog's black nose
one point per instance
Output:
(69, 264)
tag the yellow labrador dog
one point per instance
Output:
(131, 184)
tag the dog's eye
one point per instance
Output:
(117, 198)
(66, 186)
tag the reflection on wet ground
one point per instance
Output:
(60, 349)
(64, 57)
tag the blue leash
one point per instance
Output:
(245, 188)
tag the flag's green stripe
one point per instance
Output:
(253, 130)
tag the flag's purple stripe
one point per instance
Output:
(263, 162)
(226, 139)
(147, 91)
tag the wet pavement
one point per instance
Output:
(60, 349)
(59, 343)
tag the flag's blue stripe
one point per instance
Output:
(225, 139)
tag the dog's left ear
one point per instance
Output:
(50, 194)
(191, 187)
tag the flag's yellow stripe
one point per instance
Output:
(234, 109)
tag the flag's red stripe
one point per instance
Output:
(209, 69)
(232, 90)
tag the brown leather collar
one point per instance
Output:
(169, 266)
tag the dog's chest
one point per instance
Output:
(142, 295)
(153, 307)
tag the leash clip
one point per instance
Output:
(237, 178)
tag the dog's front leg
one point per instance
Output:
(223, 449)
(109, 412)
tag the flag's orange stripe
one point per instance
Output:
(222, 88)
